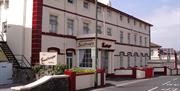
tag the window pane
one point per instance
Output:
(99, 31)
(86, 28)
(70, 26)
(86, 4)
(85, 58)
(109, 32)
(53, 24)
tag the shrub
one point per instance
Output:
(79, 70)
(59, 69)
(37, 69)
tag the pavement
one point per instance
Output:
(161, 83)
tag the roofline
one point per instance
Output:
(118, 11)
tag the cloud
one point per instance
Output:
(166, 29)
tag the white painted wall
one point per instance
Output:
(140, 74)
(123, 72)
(20, 27)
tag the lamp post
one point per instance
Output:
(96, 49)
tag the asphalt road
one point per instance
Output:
(162, 83)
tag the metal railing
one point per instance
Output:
(22, 60)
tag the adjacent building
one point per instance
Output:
(68, 28)
(161, 57)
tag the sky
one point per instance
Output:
(164, 15)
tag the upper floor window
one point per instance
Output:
(109, 13)
(121, 17)
(140, 24)
(128, 20)
(140, 40)
(134, 22)
(86, 4)
(53, 23)
(99, 29)
(121, 37)
(135, 39)
(70, 26)
(99, 9)
(145, 40)
(129, 38)
(109, 32)
(86, 28)
(71, 1)
(145, 26)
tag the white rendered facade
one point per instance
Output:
(68, 27)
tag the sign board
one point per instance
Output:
(48, 58)
(86, 43)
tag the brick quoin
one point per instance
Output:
(36, 31)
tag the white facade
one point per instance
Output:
(68, 27)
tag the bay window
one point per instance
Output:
(85, 58)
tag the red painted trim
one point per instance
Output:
(48, 6)
(71, 49)
(122, 68)
(36, 31)
(110, 50)
(72, 80)
(59, 35)
(55, 49)
(82, 74)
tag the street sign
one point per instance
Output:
(48, 58)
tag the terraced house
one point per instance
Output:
(68, 28)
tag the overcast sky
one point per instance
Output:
(163, 14)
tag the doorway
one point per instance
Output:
(104, 60)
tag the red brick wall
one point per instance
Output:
(36, 30)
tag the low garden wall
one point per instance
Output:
(133, 72)
(140, 73)
(79, 81)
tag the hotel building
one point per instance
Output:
(68, 28)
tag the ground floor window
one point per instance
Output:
(128, 58)
(85, 59)
(121, 60)
(141, 61)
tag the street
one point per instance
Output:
(162, 83)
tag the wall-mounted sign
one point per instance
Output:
(86, 43)
(48, 58)
(106, 45)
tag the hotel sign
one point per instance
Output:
(48, 58)
(86, 43)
